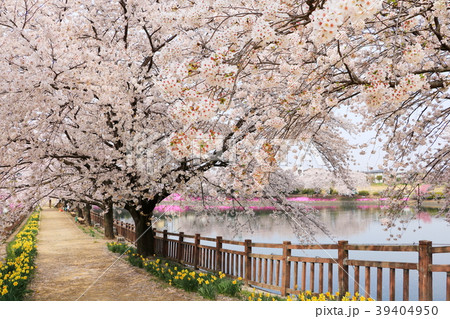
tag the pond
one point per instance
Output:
(356, 222)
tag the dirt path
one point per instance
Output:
(69, 261)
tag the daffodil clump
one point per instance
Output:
(206, 284)
(19, 264)
(119, 248)
(307, 296)
(260, 296)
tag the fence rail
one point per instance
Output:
(289, 273)
(125, 230)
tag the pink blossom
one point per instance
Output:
(424, 216)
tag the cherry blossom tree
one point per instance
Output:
(321, 179)
(126, 102)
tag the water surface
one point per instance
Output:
(356, 222)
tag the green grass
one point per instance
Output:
(91, 231)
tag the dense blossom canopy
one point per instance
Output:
(136, 99)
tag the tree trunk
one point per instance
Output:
(145, 237)
(108, 221)
(87, 214)
(79, 212)
(143, 227)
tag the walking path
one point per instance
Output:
(69, 261)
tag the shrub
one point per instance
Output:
(308, 191)
(429, 196)
(120, 248)
(208, 291)
(435, 195)
(333, 191)
(439, 195)
(363, 193)
(229, 287)
(135, 259)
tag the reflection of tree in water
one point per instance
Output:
(228, 224)
(343, 221)
(265, 224)
(411, 219)
(244, 224)
(344, 224)
(234, 225)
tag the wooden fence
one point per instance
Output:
(125, 230)
(289, 273)
(8, 230)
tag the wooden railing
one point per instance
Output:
(125, 230)
(8, 230)
(289, 273)
(97, 219)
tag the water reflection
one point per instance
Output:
(345, 221)
(358, 223)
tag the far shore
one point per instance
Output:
(310, 201)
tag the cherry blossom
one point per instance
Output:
(126, 102)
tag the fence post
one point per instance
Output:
(165, 244)
(180, 247)
(286, 275)
(218, 264)
(196, 250)
(425, 275)
(343, 267)
(248, 261)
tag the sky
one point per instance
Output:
(362, 163)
